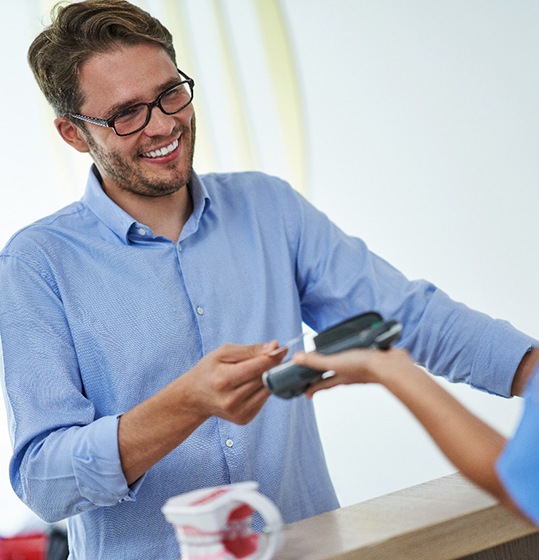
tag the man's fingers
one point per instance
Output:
(237, 365)
(234, 353)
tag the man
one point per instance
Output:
(114, 310)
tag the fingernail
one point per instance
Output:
(268, 346)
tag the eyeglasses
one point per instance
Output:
(136, 117)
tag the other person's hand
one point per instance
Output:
(355, 366)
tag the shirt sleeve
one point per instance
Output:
(65, 457)
(338, 277)
(518, 466)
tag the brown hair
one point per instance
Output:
(77, 32)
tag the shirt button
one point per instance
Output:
(142, 231)
(200, 311)
(180, 248)
(229, 443)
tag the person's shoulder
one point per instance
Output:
(252, 185)
(41, 232)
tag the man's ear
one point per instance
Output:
(71, 134)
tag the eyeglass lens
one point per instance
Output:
(137, 117)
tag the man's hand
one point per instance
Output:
(226, 383)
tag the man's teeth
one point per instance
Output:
(162, 151)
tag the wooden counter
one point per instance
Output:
(444, 519)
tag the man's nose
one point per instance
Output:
(160, 124)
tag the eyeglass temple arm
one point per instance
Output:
(94, 120)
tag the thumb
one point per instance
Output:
(313, 359)
(232, 353)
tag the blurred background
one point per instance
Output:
(413, 124)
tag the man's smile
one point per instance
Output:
(160, 152)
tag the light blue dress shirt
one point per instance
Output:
(518, 466)
(97, 315)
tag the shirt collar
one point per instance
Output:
(121, 223)
(201, 203)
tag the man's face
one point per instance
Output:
(115, 80)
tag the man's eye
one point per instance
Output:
(177, 93)
(131, 113)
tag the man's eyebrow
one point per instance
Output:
(122, 106)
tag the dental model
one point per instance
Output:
(215, 523)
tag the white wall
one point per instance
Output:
(422, 133)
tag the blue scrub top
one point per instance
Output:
(518, 466)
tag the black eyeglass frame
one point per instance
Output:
(150, 106)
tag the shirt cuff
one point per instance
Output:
(500, 351)
(97, 466)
